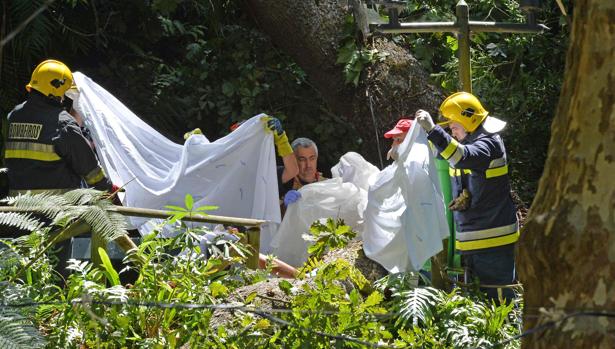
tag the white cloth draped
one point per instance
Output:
(236, 172)
(398, 212)
(405, 220)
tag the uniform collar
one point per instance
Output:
(478, 133)
(38, 98)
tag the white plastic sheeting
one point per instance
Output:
(236, 172)
(343, 196)
(398, 212)
(405, 220)
(330, 198)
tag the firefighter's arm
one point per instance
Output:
(74, 149)
(463, 156)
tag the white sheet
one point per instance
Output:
(331, 198)
(398, 212)
(404, 219)
(236, 172)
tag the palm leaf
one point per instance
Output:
(37, 33)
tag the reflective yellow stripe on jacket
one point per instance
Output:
(453, 152)
(497, 168)
(31, 151)
(456, 172)
(95, 176)
(486, 238)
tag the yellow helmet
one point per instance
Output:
(51, 78)
(464, 108)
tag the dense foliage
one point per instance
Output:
(518, 77)
(183, 64)
(186, 64)
(177, 64)
(188, 293)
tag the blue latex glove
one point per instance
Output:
(275, 125)
(291, 197)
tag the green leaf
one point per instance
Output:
(218, 289)
(207, 208)
(346, 53)
(452, 43)
(251, 297)
(110, 272)
(262, 324)
(373, 299)
(175, 208)
(285, 286)
(341, 230)
(354, 297)
(228, 89)
(178, 216)
(189, 202)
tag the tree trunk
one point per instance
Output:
(310, 32)
(567, 249)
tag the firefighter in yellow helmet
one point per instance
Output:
(45, 149)
(485, 215)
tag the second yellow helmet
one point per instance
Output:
(464, 108)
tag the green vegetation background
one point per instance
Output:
(186, 64)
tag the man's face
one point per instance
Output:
(306, 158)
(398, 139)
(459, 133)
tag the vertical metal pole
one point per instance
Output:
(463, 39)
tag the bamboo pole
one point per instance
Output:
(126, 244)
(254, 242)
(151, 213)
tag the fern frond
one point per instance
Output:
(416, 305)
(109, 225)
(80, 197)
(20, 221)
(18, 332)
(8, 258)
(310, 265)
(49, 205)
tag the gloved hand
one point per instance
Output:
(274, 125)
(462, 202)
(279, 136)
(196, 131)
(424, 119)
(291, 197)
